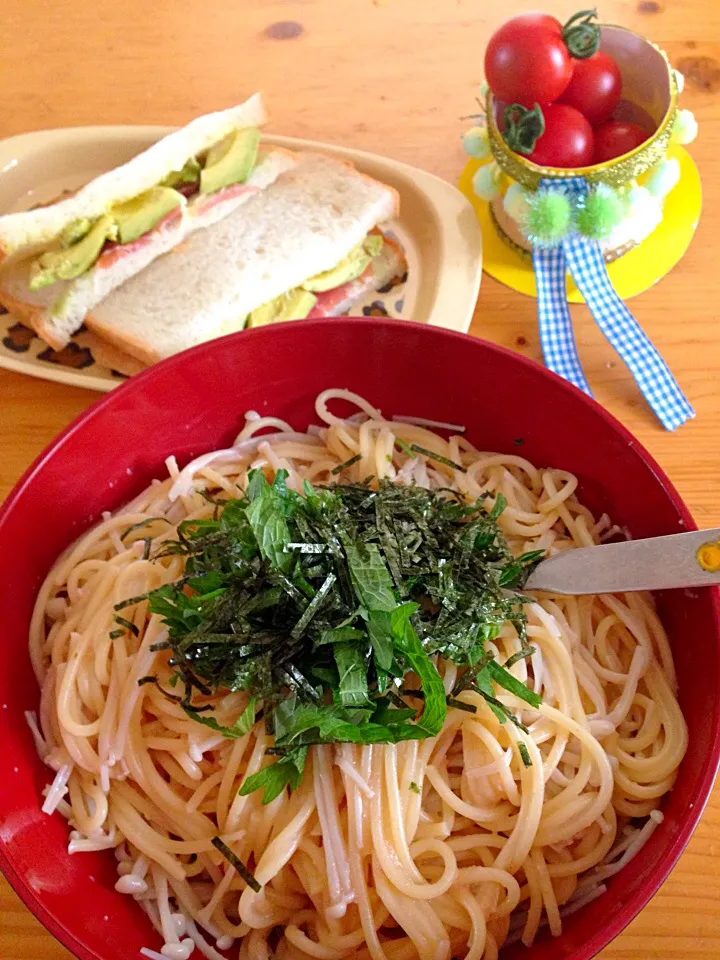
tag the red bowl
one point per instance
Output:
(194, 402)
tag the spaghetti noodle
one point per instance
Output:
(437, 848)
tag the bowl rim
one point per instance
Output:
(625, 911)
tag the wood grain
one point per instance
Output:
(395, 77)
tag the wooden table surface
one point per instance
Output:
(394, 77)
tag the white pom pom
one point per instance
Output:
(664, 177)
(476, 143)
(680, 81)
(685, 128)
(638, 200)
(486, 182)
(515, 202)
(644, 212)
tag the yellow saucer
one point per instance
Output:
(634, 272)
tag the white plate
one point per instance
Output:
(437, 227)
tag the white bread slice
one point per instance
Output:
(305, 223)
(108, 356)
(386, 267)
(40, 226)
(57, 311)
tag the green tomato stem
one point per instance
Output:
(523, 127)
(581, 35)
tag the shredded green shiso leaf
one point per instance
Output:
(319, 605)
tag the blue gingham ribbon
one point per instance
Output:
(556, 332)
(584, 259)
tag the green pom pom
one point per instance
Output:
(599, 212)
(547, 218)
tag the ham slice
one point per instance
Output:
(114, 251)
(329, 300)
(389, 263)
(204, 202)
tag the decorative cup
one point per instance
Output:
(649, 98)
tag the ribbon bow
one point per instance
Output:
(583, 258)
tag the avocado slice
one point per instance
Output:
(230, 161)
(75, 231)
(68, 263)
(189, 174)
(348, 269)
(139, 215)
(294, 305)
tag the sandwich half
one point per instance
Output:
(57, 262)
(308, 245)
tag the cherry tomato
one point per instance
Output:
(527, 60)
(616, 137)
(567, 140)
(594, 87)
